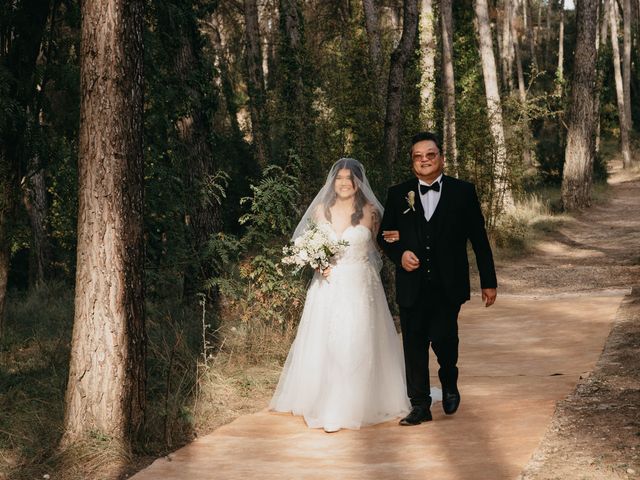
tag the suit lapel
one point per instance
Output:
(445, 202)
(418, 215)
(418, 212)
(419, 208)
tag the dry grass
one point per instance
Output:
(241, 376)
(95, 457)
(533, 216)
(228, 389)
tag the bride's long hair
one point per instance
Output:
(360, 199)
(318, 209)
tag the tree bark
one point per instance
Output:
(503, 195)
(7, 183)
(626, 63)
(522, 90)
(399, 61)
(9, 168)
(269, 50)
(5, 253)
(548, 30)
(601, 41)
(522, 93)
(580, 149)
(622, 109)
(106, 386)
(450, 143)
(537, 32)
(604, 25)
(295, 88)
(35, 202)
(255, 83)
(529, 31)
(372, 27)
(428, 65)
(290, 16)
(507, 45)
(225, 76)
(560, 67)
(202, 215)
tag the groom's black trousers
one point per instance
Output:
(432, 320)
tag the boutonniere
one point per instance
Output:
(411, 201)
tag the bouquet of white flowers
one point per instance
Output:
(315, 247)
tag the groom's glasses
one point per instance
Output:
(429, 156)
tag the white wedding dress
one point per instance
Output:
(345, 368)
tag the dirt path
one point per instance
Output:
(595, 250)
(518, 360)
(595, 432)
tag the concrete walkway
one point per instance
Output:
(517, 359)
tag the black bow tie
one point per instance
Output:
(435, 186)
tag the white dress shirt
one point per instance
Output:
(431, 198)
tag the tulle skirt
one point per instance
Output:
(345, 368)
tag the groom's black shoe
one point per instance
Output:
(418, 415)
(450, 401)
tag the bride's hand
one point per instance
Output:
(325, 273)
(391, 236)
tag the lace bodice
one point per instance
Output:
(358, 237)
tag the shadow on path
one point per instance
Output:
(510, 355)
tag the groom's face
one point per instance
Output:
(426, 160)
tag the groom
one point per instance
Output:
(426, 224)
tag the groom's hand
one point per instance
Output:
(489, 296)
(409, 261)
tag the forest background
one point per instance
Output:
(246, 105)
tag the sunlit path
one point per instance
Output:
(518, 358)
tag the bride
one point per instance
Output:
(345, 368)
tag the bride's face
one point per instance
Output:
(344, 185)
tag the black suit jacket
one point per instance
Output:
(460, 220)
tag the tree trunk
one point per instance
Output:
(428, 65)
(601, 41)
(548, 30)
(537, 34)
(35, 202)
(5, 253)
(255, 83)
(522, 89)
(202, 215)
(626, 63)
(529, 31)
(372, 26)
(560, 67)
(222, 64)
(507, 46)
(522, 94)
(106, 387)
(7, 182)
(271, 35)
(622, 109)
(580, 149)
(450, 144)
(604, 25)
(503, 195)
(295, 92)
(399, 61)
